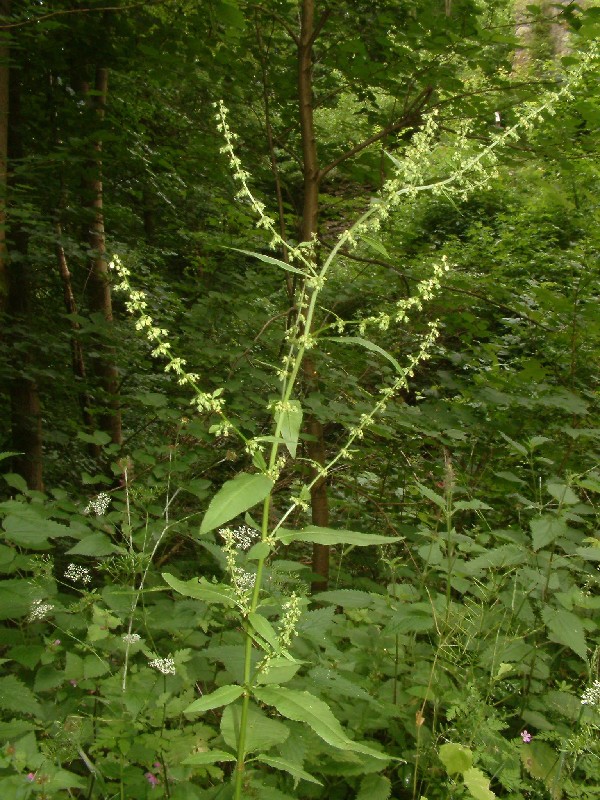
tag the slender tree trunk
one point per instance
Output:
(309, 227)
(99, 293)
(4, 83)
(26, 417)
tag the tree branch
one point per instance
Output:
(410, 117)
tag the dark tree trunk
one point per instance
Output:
(309, 226)
(98, 285)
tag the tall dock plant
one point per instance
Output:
(428, 165)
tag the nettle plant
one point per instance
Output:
(125, 662)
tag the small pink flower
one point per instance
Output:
(55, 643)
(152, 779)
(157, 765)
(30, 776)
(526, 736)
(73, 682)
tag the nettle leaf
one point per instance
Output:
(15, 696)
(27, 527)
(543, 763)
(546, 529)
(455, 757)
(562, 493)
(374, 787)
(291, 423)
(201, 589)
(96, 544)
(235, 497)
(305, 707)
(478, 784)
(287, 766)
(317, 535)
(262, 733)
(565, 628)
(220, 697)
(208, 757)
(16, 597)
(431, 495)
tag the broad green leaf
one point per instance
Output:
(374, 787)
(546, 529)
(478, 784)
(431, 495)
(562, 493)
(543, 763)
(471, 505)
(565, 628)
(347, 598)
(220, 697)
(16, 481)
(208, 757)
(262, 732)
(95, 544)
(15, 696)
(305, 707)
(518, 448)
(456, 758)
(264, 628)
(235, 497)
(331, 536)
(16, 597)
(291, 423)
(25, 526)
(287, 766)
(368, 345)
(269, 260)
(279, 671)
(201, 589)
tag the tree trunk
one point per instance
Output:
(309, 226)
(98, 286)
(4, 71)
(26, 418)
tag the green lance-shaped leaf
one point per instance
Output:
(331, 536)
(375, 245)
(305, 707)
(291, 423)
(95, 544)
(263, 627)
(269, 260)
(235, 497)
(201, 589)
(455, 757)
(221, 697)
(209, 757)
(262, 732)
(287, 766)
(368, 345)
(431, 495)
(478, 784)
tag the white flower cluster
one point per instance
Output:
(131, 638)
(99, 505)
(243, 581)
(244, 537)
(591, 696)
(78, 574)
(39, 610)
(164, 665)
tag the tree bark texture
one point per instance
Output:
(309, 226)
(98, 285)
(26, 415)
